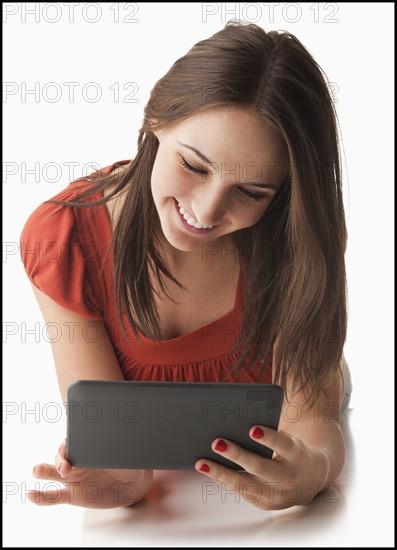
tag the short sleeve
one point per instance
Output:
(54, 260)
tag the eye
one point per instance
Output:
(191, 168)
(253, 196)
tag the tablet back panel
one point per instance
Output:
(164, 425)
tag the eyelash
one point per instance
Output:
(251, 196)
(192, 168)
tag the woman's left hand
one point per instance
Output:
(294, 475)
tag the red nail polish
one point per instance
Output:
(221, 446)
(204, 468)
(258, 433)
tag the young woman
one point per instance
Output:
(215, 255)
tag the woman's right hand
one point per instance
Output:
(88, 487)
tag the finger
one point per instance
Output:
(49, 498)
(280, 442)
(62, 450)
(254, 464)
(221, 474)
(46, 471)
(252, 490)
(62, 465)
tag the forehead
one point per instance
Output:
(232, 135)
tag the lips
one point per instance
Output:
(190, 216)
(191, 228)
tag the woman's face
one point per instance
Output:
(222, 166)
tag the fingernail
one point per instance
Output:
(59, 467)
(221, 446)
(204, 468)
(258, 433)
(34, 469)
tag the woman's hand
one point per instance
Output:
(89, 488)
(294, 475)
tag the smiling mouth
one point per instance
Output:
(189, 222)
(190, 219)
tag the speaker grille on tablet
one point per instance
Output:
(263, 395)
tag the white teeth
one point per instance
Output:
(190, 220)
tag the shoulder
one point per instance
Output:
(61, 247)
(54, 260)
(49, 221)
(49, 224)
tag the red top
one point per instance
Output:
(62, 256)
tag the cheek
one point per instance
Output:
(178, 183)
(249, 216)
(167, 180)
(156, 178)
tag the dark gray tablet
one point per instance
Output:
(164, 425)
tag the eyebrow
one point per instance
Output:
(198, 153)
(207, 161)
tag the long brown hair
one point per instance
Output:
(292, 259)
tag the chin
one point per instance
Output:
(181, 245)
(177, 241)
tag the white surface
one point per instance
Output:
(188, 509)
(357, 54)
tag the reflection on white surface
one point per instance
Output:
(185, 508)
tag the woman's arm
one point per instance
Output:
(318, 427)
(308, 452)
(82, 350)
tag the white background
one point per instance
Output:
(354, 47)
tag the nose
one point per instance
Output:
(209, 206)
